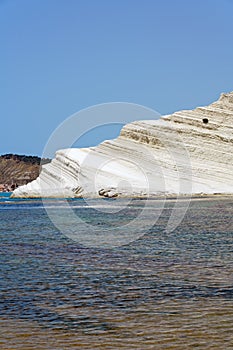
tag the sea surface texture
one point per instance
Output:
(164, 290)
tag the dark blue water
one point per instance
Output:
(161, 291)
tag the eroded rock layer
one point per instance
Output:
(186, 152)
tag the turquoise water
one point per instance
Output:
(163, 291)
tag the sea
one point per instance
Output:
(131, 284)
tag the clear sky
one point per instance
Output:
(60, 56)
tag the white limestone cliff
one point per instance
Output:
(186, 152)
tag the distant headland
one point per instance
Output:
(17, 170)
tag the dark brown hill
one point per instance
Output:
(16, 170)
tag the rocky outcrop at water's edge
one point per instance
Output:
(187, 152)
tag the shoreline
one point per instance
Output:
(138, 197)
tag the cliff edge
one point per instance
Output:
(187, 152)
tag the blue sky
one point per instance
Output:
(60, 56)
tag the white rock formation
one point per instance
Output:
(186, 152)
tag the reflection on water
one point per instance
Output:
(163, 291)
